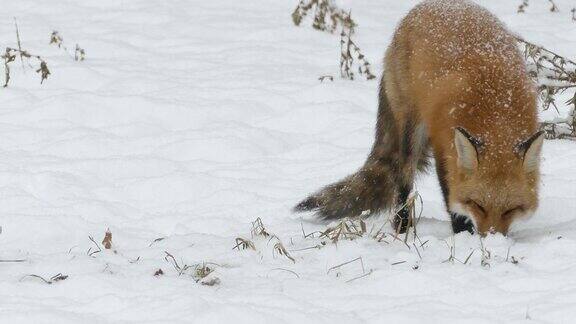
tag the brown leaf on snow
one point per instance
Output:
(107, 241)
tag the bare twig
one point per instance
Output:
(19, 42)
(13, 261)
(172, 260)
(91, 252)
(360, 276)
(156, 240)
(53, 279)
(347, 262)
(287, 270)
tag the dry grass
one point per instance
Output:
(91, 251)
(244, 244)
(281, 250)
(258, 229)
(172, 260)
(199, 272)
(347, 228)
(382, 234)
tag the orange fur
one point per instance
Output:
(454, 83)
(453, 64)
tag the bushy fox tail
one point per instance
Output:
(365, 192)
(372, 188)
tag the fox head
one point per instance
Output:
(493, 192)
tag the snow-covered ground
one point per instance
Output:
(189, 120)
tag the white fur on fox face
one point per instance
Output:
(521, 219)
(460, 210)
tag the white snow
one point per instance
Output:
(189, 120)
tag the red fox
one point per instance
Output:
(455, 84)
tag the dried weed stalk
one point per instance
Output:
(359, 260)
(79, 53)
(349, 51)
(327, 17)
(58, 40)
(91, 251)
(554, 75)
(258, 229)
(553, 7)
(512, 259)
(199, 273)
(486, 255)
(381, 234)
(522, 7)
(452, 257)
(156, 240)
(10, 55)
(172, 260)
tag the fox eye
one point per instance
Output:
(476, 205)
(510, 212)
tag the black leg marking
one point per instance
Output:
(408, 164)
(402, 218)
(461, 223)
(408, 139)
(441, 172)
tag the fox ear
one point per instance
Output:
(529, 151)
(467, 147)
